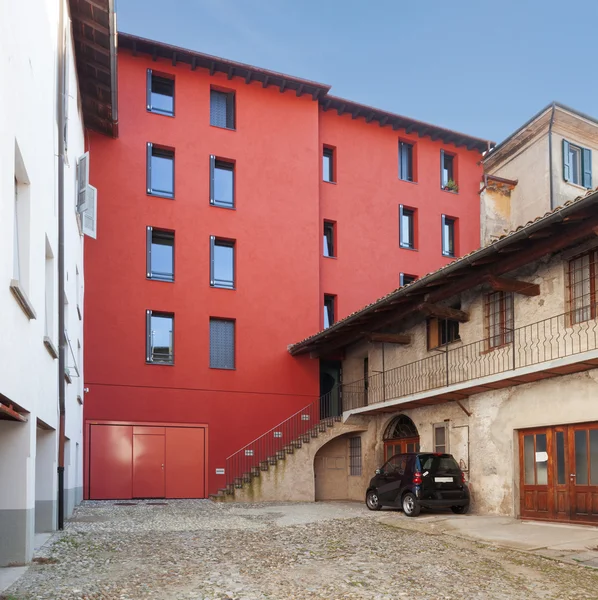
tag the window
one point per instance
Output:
(582, 287)
(222, 109)
(448, 236)
(405, 279)
(406, 227)
(328, 165)
(160, 171)
(355, 455)
(160, 254)
(577, 164)
(329, 235)
(222, 253)
(442, 331)
(222, 183)
(160, 338)
(447, 171)
(160, 94)
(499, 318)
(441, 438)
(329, 302)
(222, 344)
(406, 161)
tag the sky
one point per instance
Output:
(479, 67)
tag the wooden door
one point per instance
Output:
(400, 446)
(148, 464)
(583, 472)
(535, 457)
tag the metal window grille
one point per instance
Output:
(581, 284)
(222, 344)
(355, 455)
(499, 319)
(222, 109)
(441, 438)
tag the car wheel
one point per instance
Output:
(372, 501)
(411, 506)
(460, 510)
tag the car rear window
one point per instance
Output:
(435, 463)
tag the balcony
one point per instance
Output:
(559, 345)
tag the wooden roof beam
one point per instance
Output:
(443, 312)
(383, 121)
(503, 284)
(389, 338)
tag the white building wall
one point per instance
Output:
(29, 36)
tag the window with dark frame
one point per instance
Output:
(582, 287)
(222, 183)
(406, 227)
(405, 161)
(222, 343)
(405, 279)
(328, 165)
(160, 254)
(329, 302)
(447, 169)
(441, 332)
(160, 171)
(448, 236)
(222, 109)
(577, 164)
(440, 438)
(160, 93)
(222, 261)
(328, 241)
(160, 337)
(355, 455)
(499, 319)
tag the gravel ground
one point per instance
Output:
(196, 549)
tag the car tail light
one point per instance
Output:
(417, 478)
(463, 477)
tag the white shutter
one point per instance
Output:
(82, 182)
(90, 216)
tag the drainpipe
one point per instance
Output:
(61, 324)
(550, 155)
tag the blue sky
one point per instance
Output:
(479, 67)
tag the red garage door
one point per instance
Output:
(146, 461)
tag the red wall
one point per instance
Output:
(281, 275)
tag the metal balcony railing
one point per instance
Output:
(550, 339)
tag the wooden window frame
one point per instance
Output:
(575, 314)
(506, 335)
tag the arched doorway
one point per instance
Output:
(400, 436)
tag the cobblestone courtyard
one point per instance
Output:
(200, 550)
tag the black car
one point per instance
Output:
(417, 480)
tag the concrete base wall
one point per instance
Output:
(16, 541)
(45, 515)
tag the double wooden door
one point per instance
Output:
(559, 473)
(400, 446)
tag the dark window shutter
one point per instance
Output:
(149, 168)
(222, 344)
(212, 167)
(149, 251)
(566, 161)
(149, 90)
(212, 240)
(587, 168)
(148, 335)
(218, 108)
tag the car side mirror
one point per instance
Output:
(379, 472)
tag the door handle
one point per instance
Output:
(572, 475)
(162, 466)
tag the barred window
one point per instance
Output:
(355, 455)
(499, 319)
(440, 438)
(222, 109)
(222, 344)
(581, 282)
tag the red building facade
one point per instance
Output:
(250, 273)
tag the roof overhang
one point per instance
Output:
(564, 227)
(9, 411)
(94, 35)
(214, 64)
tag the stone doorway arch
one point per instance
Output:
(401, 436)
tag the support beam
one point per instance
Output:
(423, 131)
(503, 284)
(463, 408)
(248, 77)
(174, 59)
(355, 114)
(341, 109)
(265, 82)
(409, 128)
(443, 312)
(383, 121)
(231, 72)
(299, 91)
(212, 67)
(193, 63)
(283, 85)
(389, 338)
(369, 117)
(315, 95)
(9, 411)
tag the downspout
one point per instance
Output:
(550, 155)
(61, 324)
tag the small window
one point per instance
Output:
(329, 239)
(447, 171)
(160, 171)
(223, 263)
(160, 338)
(441, 438)
(405, 279)
(160, 94)
(582, 287)
(160, 254)
(329, 302)
(222, 183)
(448, 236)
(407, 227)
(442, 332)
(406, 161)
(222, 109)
(499, 319)
(355, 455)
(577, 164)
(222, 344)
(328, 165)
